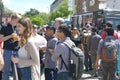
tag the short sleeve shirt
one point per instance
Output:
(9, 44)
(104, 34)
(40, 41)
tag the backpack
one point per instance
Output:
(76, 61)
(109, 50)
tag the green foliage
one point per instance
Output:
(32, 12)
(61, 12)
(38, 18)
(7, 11)
(44, 16)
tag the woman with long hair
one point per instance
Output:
(28, 55)
(76, 38)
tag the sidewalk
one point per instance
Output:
(88, 76)
(85, 76)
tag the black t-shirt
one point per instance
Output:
(9, 44)
(77, 40)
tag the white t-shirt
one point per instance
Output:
(40, 41)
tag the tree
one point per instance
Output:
(44, 16)
(32, 12)
(54, 15)
(61, 12)
(37, 20)
(7, 11)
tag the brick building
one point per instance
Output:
(90, 5)
(86, 5)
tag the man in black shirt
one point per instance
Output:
(10, 46)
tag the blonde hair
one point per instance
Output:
(15, 16)
(25, 22)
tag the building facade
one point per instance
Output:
(90, 5)
(112, 4)
(55, 5)
(86, 5)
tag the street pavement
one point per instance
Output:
(85, 76)
(88, 76)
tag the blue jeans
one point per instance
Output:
(7, 63)
(50, 74)
(25, 73)
(63, 76)
(0, 75)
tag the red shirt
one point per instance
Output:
(104, 34)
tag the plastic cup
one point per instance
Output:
(15, 38)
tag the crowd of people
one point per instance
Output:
(29, 54)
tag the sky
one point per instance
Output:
(21, 6)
